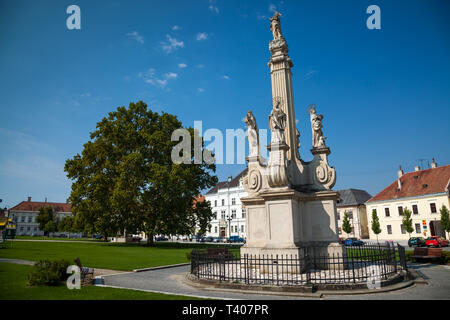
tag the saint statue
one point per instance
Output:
(253, 135)
(275, 26)
(318, 140)
(277, 122)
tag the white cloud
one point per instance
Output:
(171, 75)
(176, 28)
(272, 7)
(202, 36)
(136, 36)
(171, 44)
(200, 66)
(260, 16)
(310, 73)
(200, 90)
(226, 77)
(182, 65)
(151, 77)
(212, 6)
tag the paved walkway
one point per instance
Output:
(171, 281)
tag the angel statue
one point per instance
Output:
(275, 26)
(277, 122)
(318, 140)
(252, 136)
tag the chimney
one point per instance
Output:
(29, 199)
(400, 172)
(416, 168)
(434, 164)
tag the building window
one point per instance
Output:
(30, 219)
(223, 202)
(242, 228)
(35, 229)
(386, 212)
(415, 209)
(21, 229)
(350, 214)
(339, 216)
(233, 201)
(223, 214)
(235, 229)
(400, 210)
(28, 229)
(433, 207)
(389, 229)
(215, 229)
(216, 215)
(215, 203)
(233, 214)
(417, 227)
(243, 213)
(23, 219)
(403, 229)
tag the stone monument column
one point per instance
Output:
(290, 205)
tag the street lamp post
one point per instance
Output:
(229, 212)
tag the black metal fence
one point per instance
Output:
(313, 265)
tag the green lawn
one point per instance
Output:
(13, 286)
(102, 255)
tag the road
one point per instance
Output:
(170, 281)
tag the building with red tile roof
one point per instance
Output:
(423, 192)
(25, 215)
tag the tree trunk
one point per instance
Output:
(150, 239)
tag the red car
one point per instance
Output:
(436, 241)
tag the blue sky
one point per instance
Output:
(385, 93)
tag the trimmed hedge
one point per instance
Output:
(48, 273)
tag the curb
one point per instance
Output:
(318, 294)
(162, 267)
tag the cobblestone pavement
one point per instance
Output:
(171, 281)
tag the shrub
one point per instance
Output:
(48, 273)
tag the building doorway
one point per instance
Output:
(222, 231)
(436, 229)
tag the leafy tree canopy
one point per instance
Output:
(125, 179)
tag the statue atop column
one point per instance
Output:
(275, 26)
(277, 122)
(253, 135)
(318, 140)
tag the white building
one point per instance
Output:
(229, 216)
(423, 192)
(26, 212)
(353, 201)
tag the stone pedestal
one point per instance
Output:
(289, 223)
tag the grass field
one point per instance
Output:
(13, 286)
(102, 255)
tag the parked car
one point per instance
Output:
(220, 239)
(208, 239)
(353, 242)
(235, 239)
(416, 242)
(98, 236)
(161, 238)
(436, 241)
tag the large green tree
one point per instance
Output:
(375, 223)
(125, 179)
(407, 222)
